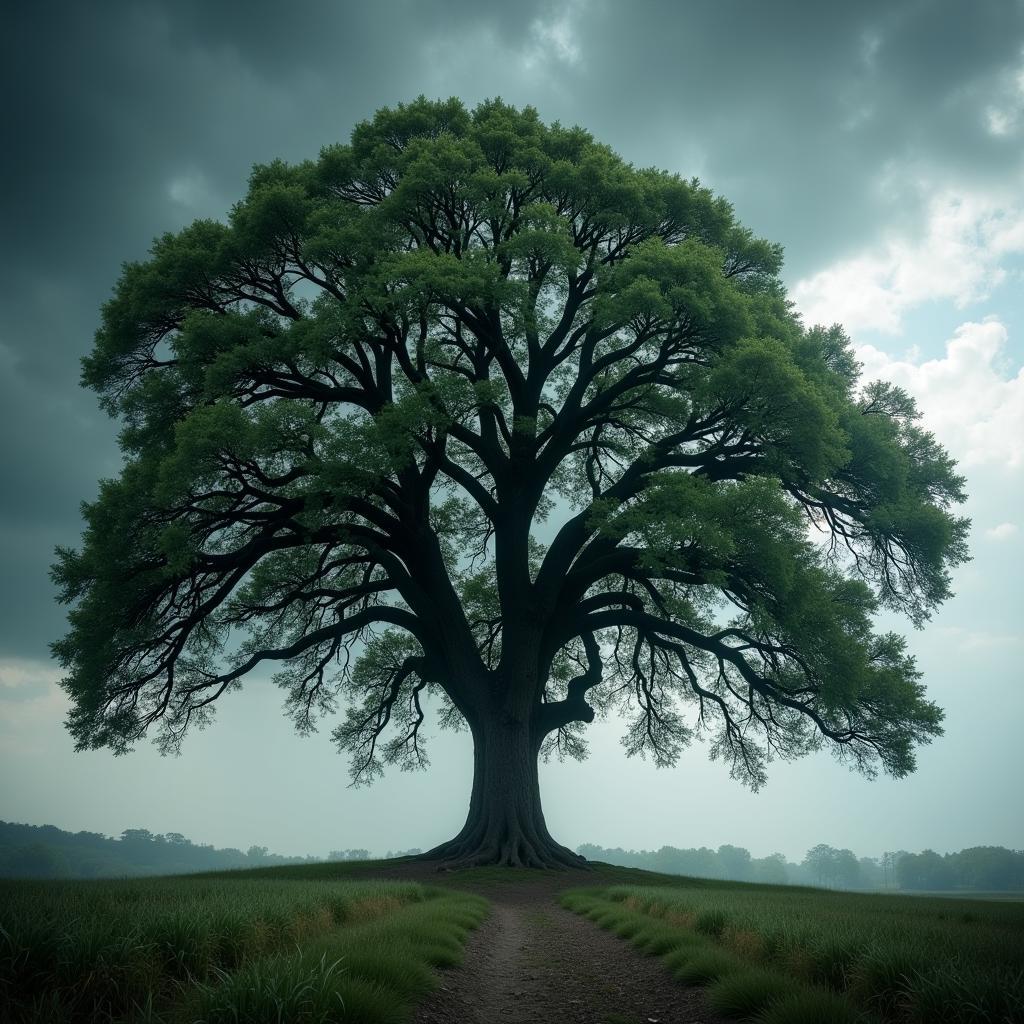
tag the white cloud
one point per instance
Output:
(998, 122)
(191, 190)
(962, 639)
(555, 38)
(1004, 531)
(1004, 116)
(30, 704)
(974, 409)
(958, 258)
(25, 673)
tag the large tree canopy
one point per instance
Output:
(349, 413)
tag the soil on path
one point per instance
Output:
(533, 961)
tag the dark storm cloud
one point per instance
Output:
(128, 120)
(123, 120)
(796, 110)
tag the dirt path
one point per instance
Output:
(533, 961)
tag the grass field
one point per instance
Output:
(323, 942)
(792, 954)
(246, 946)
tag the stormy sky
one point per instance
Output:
(880, 143)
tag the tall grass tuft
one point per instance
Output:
(810, 1006)
(280, 988)
(748, 991)
(708, 965)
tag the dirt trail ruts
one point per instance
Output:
(533, 961)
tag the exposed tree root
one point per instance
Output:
(514, 848)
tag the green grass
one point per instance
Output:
(792, 953)
(326, 942)
(811, 1006)
(325, 871)
(116, 949)
(744, 992)
(373, 973)
(708, 965)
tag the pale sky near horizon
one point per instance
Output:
(880, 142)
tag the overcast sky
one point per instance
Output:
(880, 143)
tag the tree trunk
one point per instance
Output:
(505, 824)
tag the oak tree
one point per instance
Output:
(472, 416)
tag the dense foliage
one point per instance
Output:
(349, 412)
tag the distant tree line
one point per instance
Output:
(358, 854)
(977, 869)
(980, 867)
(44, 851)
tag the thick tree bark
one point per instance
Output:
(505, 824)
